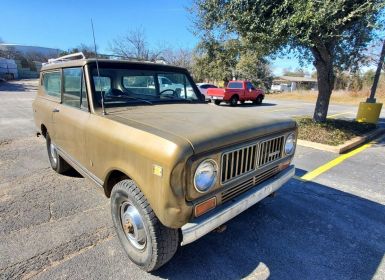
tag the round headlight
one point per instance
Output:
(289, 144)
(205, 175)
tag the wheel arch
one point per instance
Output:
(114, 176)
(43, 130)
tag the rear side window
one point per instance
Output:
(52, 83)
(74, 93)
(235, 85)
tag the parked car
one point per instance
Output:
(8, 69)
(203, 87)
(169, 183)
(236, 91)
(280, 87)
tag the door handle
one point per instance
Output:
(55, 110)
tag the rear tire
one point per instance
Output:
(147, 242)
(57, 162)
(217, 102)
(234, 101)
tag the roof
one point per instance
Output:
(295, 79)
(112, 63)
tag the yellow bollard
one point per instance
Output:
(369, 112)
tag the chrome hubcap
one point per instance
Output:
(52, 150)
(133, 225)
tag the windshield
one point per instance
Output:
(122, 87)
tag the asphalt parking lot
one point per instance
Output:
(59, 227)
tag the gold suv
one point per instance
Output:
(174, 166)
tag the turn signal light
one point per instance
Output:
(283, 165)
(205, 206)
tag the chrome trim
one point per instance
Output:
(251, 165)
(216, 176)
(218, 216)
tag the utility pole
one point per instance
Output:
(371, 99)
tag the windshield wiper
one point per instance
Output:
(133, 98)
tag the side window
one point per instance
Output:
(249, 86)
(52, 83)
(74, 93)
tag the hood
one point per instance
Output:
(203, 126)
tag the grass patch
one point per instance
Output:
(333, 132)
(338, 96)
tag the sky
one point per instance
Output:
(65, 24)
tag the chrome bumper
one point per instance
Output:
(223, 213)
(216, 97)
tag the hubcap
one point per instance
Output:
(52, 150)
(132, 224)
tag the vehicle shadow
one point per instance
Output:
(248, 105)
(308, 231)
(17, 86)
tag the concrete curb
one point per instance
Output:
(348, 145)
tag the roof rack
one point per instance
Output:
(72, 56)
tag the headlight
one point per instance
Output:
(205, 175)
(289, 144)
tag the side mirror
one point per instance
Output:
(250, 89)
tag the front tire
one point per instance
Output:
(258, 101)
(57, 162)
(217, 102)
(147, 242)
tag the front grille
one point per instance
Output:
(270, 150)
(238, 162)
(245, 186)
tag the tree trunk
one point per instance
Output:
(371, 99)
(323, 62)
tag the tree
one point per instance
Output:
(330, 33)
(255, 69)
(179, 57)
(296, 73)
(88, 51)
(215, 60)
(134, 45)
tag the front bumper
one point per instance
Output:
(210, 221)
(216, 97)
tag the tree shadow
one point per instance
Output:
(307, 231)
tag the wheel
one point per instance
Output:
(258, 101)
(234, 100)
(217, 102)
(147, 242)
(57, 162)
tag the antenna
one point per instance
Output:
(97, 69)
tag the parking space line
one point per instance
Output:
(339, 114)
(323, 168)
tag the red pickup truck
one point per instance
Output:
(236, 91)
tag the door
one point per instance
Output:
(251, 93)
(71, 115)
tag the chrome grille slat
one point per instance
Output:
(245, 159)
(238, 162)
(250, 183)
